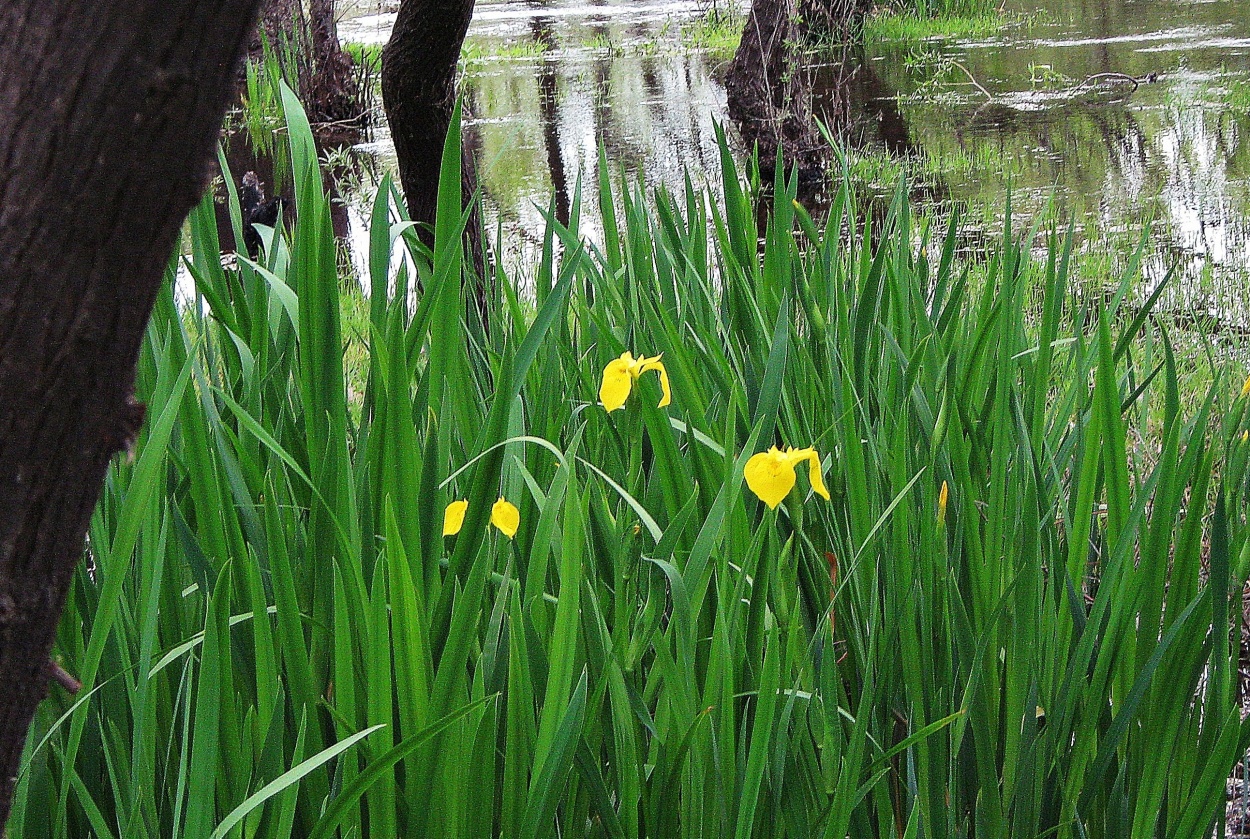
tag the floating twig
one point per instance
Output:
(1121, 76)
(973, 79)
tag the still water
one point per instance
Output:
(555, 80)
(547, 81)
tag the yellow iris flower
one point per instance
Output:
(453, 517)
(770, 474)
(506, 517)
(621, 373)
(503, 515)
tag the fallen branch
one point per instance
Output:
(973, 79)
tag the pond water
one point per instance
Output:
(547, 83)
(548, 80)
(1175, 151)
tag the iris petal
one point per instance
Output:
(770, 475)
(658, 366)
(617, 382)
(506, 517)
(453, 517)
(813, 473)
(621, 373)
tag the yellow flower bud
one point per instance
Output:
(453, 517)
(506, 517)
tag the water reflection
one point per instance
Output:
(548, 98)
(1167, 151)
(559, 77)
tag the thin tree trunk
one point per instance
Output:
(108, 115)
(419, 94)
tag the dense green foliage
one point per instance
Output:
(276, 640)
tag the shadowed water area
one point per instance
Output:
(547, 82)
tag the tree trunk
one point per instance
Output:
(305, 33)
(419, 94)
(333, 87)
(108, 115)
(769, 87)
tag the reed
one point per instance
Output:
(1013, 617)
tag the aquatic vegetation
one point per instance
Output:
(602, 42)
(368, 56)
(1238, 97)
(260, 112)
(478, 51)
(716, 33)
(1046, 77)
(275, 639)
(922, 23)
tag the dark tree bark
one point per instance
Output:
(275, 22)
(307, 31)
(419, 95)
(769, 91)
(769, 87)
(108, 115)
(334, 85)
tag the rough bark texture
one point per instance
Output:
(419, 94)
(769, 93)
(769, 87)
(327, 81)
(108, 115)
(333, 87)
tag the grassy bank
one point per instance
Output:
(969, 636)
(921, 20)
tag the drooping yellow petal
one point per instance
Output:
(618, 379)
(1245, 389)
(770, 475)
(813, 470)
(658, 366)
(506, 517)
(453, 517)
(942, 498)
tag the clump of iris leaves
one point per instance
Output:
(1015, 615)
